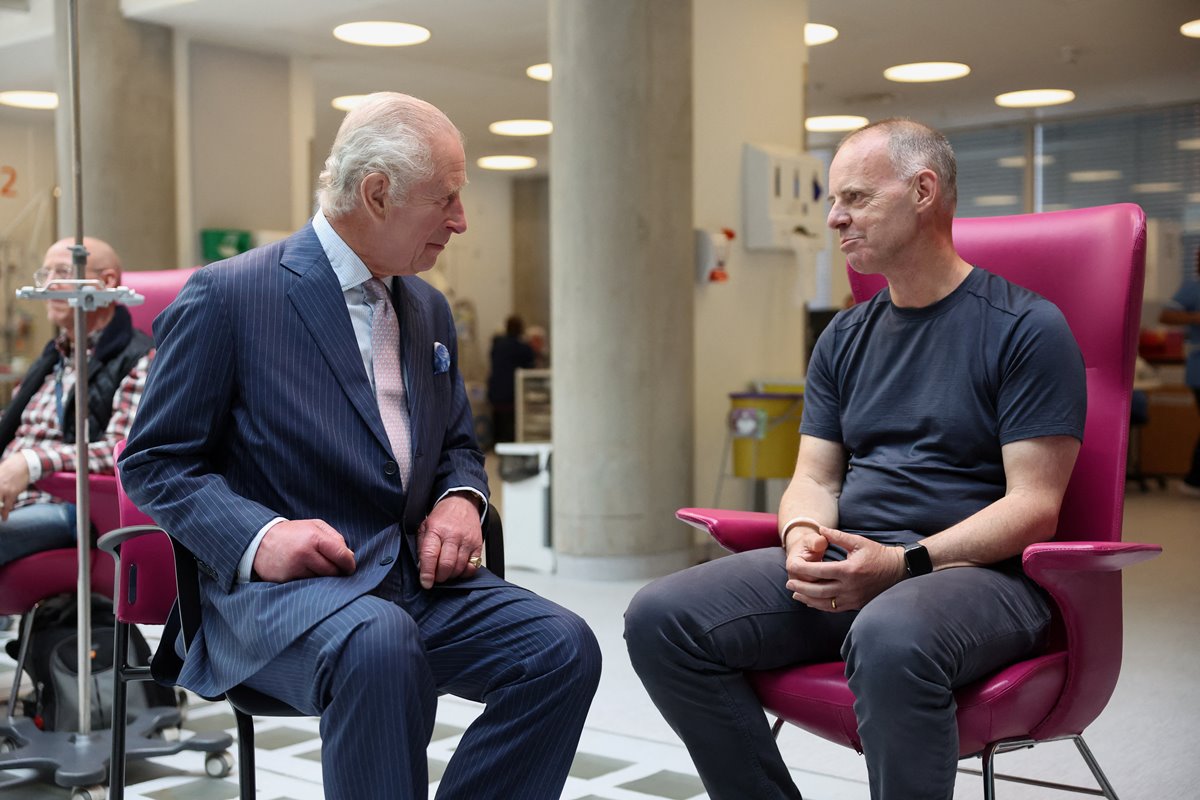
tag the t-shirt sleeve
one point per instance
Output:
(822, 405)
(1043, 389)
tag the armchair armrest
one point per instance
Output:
(102, 494)
(111, 542)
(736, 531)
(1084, 580)
(1043, 560)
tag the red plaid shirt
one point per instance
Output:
(39, 437)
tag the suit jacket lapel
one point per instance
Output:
(318, 299)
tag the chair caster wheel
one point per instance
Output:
(88, 793)
(218, 765)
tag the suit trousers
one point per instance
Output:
(373, 672)
(692, 634)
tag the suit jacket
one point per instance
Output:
(258, 406)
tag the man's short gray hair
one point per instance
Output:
(913, 147)
(388, 132)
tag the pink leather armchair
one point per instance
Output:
(1090, 263)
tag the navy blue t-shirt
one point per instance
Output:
(924, 398)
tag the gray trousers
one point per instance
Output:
(692, 634)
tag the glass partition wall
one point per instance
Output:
(1149, 157)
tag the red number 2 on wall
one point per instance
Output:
(8, 180)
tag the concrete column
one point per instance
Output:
(128, 134)
(622, 287)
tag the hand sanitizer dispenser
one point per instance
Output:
(783, 197)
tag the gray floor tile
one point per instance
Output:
(211, 723)
(275, 738)
(201, 789)
(673, 785)
(589, 765)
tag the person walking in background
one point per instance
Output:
(510, 352)
(1184, 309)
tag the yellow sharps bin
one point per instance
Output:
(765, 427)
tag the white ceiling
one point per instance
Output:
(1114, 54)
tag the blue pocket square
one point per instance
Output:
(441, 358)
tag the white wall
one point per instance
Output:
(241, 139)
(748, 87)
(27, 178)
(478, 266)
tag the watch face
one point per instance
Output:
(916, 559)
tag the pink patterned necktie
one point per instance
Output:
(389, 377)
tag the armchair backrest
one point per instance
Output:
(159, 287)
(1090, 263)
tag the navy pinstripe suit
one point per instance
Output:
(258, 406)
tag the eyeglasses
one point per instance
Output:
(48, 275)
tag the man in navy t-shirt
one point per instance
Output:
(942, 420)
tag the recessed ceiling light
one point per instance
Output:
(997, 200)
(1094, 175)
(522, 127)
(815, 33)
(1157, 187)
(834, 124)
(1188, 144)
(1032, 98)
(1018, 162)
(29, 99)
(348, 101)
(540, 72)
(507, 162)
(926, 72)
(381, 34)
(1191, 29)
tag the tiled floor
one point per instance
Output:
(288, 752)
(1144, 739)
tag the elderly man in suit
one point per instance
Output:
(305, 433)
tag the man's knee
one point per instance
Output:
(886, 646)
(380, 647)
(571, 650)
(652, 615)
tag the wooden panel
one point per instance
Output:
(1169, 436)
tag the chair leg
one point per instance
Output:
(120, 713)
(1094, 766)
(25, 632)
(777, 727)
(994, 749)
(988, 756)
(245, 729)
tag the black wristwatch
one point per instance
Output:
(916, 560)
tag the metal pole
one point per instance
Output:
(83, 525)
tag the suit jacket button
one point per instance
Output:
(390, 468)
(386, 560)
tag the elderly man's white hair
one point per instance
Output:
(389, 133)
